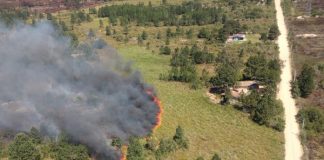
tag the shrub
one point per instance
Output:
(135, 149)
(166, 146)
(180, 139)
(216, 157)
(306, 80)
(165, 50)
(321, 84)
(295, 91)
(273, 32)
(200, 158)
(313, 119)
(278, 124)
(117, 142)
(204, 33)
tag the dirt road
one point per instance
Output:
(293, 147)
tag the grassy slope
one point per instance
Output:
(209, 127)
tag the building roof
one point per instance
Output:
(245, 83)
(239, 35)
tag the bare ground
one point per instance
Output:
(293, 147)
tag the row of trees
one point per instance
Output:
(10, 16)
(160, 149)
(258, 67)
(25, 146)
(192, 13)
(79, 17)
(183, 64)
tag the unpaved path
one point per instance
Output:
(293, 147)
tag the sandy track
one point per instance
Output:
(293, 147)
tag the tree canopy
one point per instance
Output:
(22, 148)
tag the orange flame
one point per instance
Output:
(157, 101)
(123, 157)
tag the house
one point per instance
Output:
(236, 37)
(244, 87)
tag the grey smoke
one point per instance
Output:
(89, 93)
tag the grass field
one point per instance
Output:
(210, 128)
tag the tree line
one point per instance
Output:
(26, 146)
(190, 13)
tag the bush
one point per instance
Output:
(312, 118)
(64, 151)
(321, 84)
(204, 33)
(135, 149)
(165, 50)
(144, 35)
(200, 158)
(166, 146)
(261, 69)
(180, 139)
(273, 32)
(108, 31)
(264, 109)
(35, 136)
(295, 91)
(151, 144)
(306, 82)
(117, 142)
(216, 157)
(278, 124)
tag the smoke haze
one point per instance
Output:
(91, 98)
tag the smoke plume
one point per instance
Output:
(88, 93)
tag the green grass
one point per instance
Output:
(210, 128)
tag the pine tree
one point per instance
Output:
(108, 31)
(35, 136)
(273, 32)
(295, 91)
(100, 23)
(179, 138)
(306, 80)
(144, 35)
